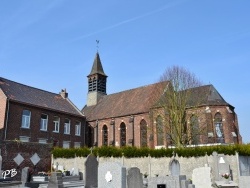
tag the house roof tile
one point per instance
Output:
(25, 94)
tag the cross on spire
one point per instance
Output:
(97, 44)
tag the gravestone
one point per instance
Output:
(134, 178)
(55, 180)
(25, 175)
(75, 170)
(221, 166)
(91, 171)
(244, 164)
(174, 167)
(201, 177)
(168, 181)
(111, 175)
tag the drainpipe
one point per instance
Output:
(7, 118)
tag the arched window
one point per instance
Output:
(122, 134)
(194, 127)
(105, 135)
(143, 133)
(219, 128)
(159, 131)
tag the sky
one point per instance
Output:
(51, 45)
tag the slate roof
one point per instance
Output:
(206, 95)
(29, 95)
(129, 102)
(140, 100)
(97, 66)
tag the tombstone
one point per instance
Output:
(111, 175)
(60, 167)
(25, 175)
(55, 180)
(174, 167)
(91, 172)
(201, 177)
(244, 164)
(134, 178)
(167, 182)
(221, 166)
(75, 170)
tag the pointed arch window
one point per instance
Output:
(194, 127)
(219, 128)
(122, 134)
(143, 133)
(160, 131)
(105, 135)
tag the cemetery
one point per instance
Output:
(93, 171)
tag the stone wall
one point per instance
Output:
(158, 166)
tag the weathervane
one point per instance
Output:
(97, 44)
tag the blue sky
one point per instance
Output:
(51, 45)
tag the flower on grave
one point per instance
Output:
(226, 175)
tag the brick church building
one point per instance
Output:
(130, 118)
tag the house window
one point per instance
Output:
(67, 126)
(66, 144)
(123, 134)
(42, 141)
(219, 128)
(56, 124)
(77, 144)
(105, 135)
(160, 131)
(24, 138)
(44, 122)
(26, 119)
(78, 128)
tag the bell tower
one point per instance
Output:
(96, 82)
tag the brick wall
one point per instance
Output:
(205, 119)
(10, 149)
(14, 129)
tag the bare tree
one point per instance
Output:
(174, 102)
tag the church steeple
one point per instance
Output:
(97, 66)
(96, 82)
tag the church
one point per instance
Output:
(126, 118)
(130, 118)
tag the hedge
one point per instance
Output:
(131, 152)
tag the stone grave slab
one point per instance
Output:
(111, 175)
(201, 177)
(91, 171)
(134, 178)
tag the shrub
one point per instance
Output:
(131, 152)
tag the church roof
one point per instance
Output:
(36, 97)
(97, 66)
(129, 102)
(206, 95)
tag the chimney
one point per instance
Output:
(64, 94)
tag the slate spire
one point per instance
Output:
(96, 82)
(97, 66)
